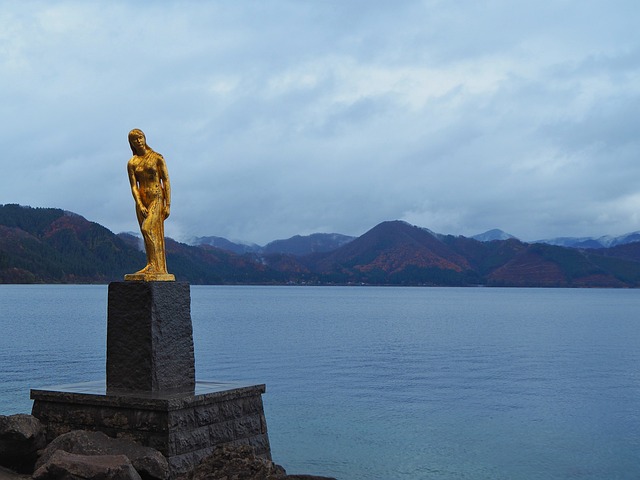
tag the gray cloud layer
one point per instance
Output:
(286, 117)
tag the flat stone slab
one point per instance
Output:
(184, 427)
(95, 393)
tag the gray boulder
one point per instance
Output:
(239, 462)
(7, 474)
(235, 462)
(21, 436)
(150, 464)
(70, 466)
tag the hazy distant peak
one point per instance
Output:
(620, 240)
(224, 244)
(605, 241)
(493, 234)
(303, 245)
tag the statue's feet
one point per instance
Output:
(145, 270)
(150, 274)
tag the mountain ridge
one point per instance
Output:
(296, 245)
(54, 246)
(282, 245)
(605, 241)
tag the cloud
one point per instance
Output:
(292, 117)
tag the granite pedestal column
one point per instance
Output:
(150, 337)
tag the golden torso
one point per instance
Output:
(146, 173)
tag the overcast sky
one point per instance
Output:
(279, 118)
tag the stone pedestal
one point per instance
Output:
(183, 427)
(150, 394)
(150, 337)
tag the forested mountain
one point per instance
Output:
(401, 254)
(46, 245)
(53, 246)
(395, 253)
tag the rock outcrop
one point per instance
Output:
(87, 455)
(21, 436)
(239, 462)
(63, 465)
(149, 463)
(228, 462)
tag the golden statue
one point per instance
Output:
(151, 191)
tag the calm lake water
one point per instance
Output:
(386, 383)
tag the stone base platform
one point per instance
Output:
(185, 427)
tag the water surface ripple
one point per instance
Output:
(386, 383)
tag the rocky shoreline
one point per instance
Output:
(7, 474)
(79, 454)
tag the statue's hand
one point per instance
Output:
(144, 211)
(167, 211)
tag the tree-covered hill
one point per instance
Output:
(48, 245)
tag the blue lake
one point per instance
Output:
(385, 383)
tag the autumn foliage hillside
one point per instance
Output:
(46, 245)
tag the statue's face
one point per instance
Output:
(139, 143)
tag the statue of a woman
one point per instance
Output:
(151, 191)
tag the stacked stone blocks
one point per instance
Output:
(184, 429)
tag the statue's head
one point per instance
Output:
(137, 141)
